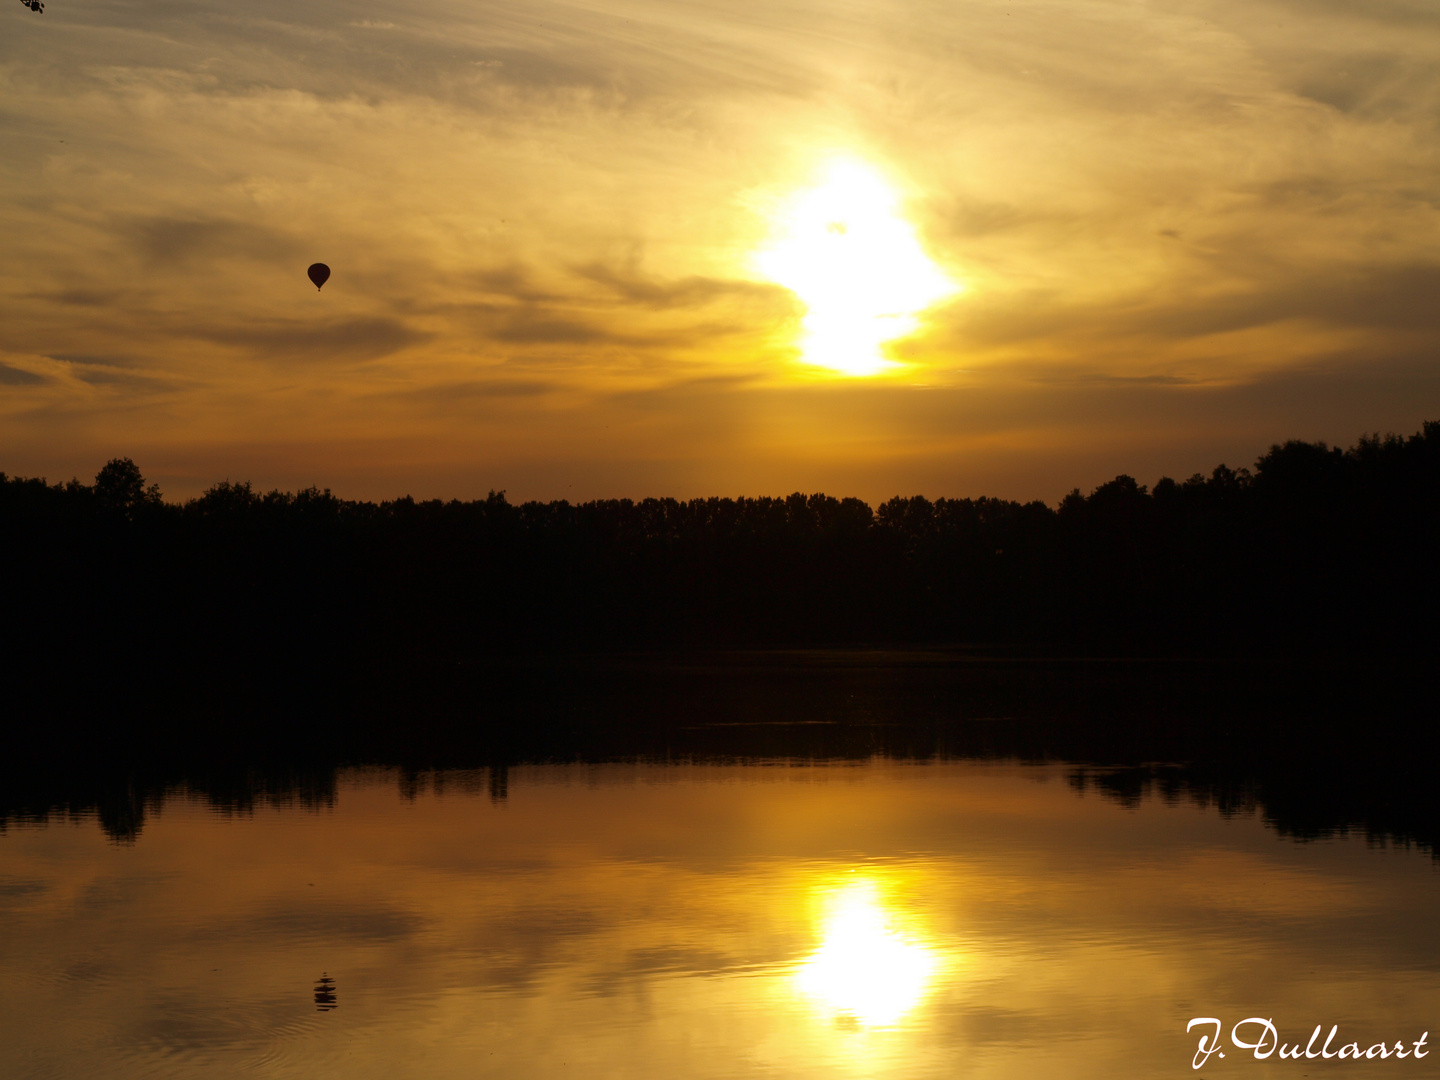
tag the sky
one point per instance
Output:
(661, 247)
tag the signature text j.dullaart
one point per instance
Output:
(1266, 1041)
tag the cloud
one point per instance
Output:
(90, 360)
(167, 240)
(532, 326)
(12, 376)
(124, 379)
(446, 393)
(1393, 298)
(1398, 13)
(357, 339)
(690, 292)
(600, 305)
(80, 297)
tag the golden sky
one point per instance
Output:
(601, 249)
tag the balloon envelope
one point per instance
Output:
(319, 274)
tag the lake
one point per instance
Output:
(871, 916)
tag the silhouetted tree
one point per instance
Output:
(120, 489)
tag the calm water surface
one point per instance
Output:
(880, 919)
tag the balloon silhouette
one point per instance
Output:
(319, 274)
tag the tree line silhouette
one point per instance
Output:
(1316, 548)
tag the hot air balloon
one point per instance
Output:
(319, 274)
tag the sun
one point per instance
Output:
(855, 263)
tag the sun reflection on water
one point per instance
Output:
(867, 971)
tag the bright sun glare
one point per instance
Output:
(856, 265)
(865, 969)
